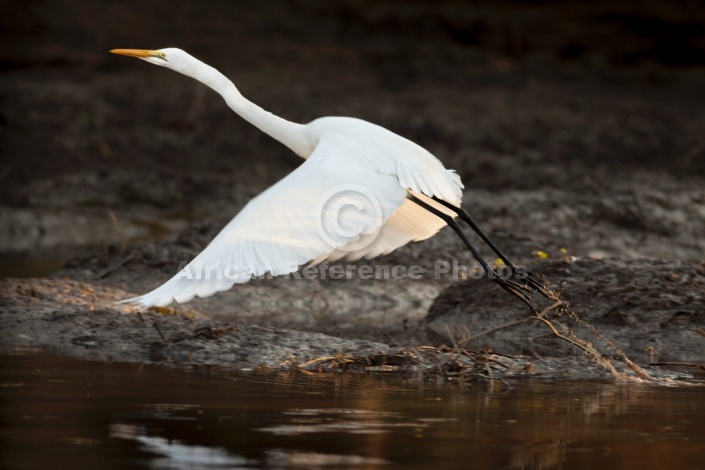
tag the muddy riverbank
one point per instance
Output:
(581, 150)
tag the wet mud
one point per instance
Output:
(581, 149)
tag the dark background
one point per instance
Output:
(578, 129)
(582, 96)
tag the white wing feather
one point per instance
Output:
(410, 223)
(286, 226)
(415, 169)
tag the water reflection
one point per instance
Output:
(98, 415)
(341, 420)
(173, 454)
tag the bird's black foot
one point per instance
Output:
(518, 290)
(533, 281)
(523, 288)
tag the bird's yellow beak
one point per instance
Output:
(141, 53)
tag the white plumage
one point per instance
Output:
(347, 200)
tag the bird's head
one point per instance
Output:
(170, 57)
(180, 61)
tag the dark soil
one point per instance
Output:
(577, 130)
(654, 311)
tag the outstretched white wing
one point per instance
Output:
(330, 207)
(323, 205)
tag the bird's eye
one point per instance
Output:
(160, 55)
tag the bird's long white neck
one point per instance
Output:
(291, 134)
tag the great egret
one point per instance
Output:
(362, 191)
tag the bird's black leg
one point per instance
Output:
(508, 285)
(465, 217)
(532, 278)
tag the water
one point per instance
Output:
(60, 413)
(36, 244)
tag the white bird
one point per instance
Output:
(362, 191)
